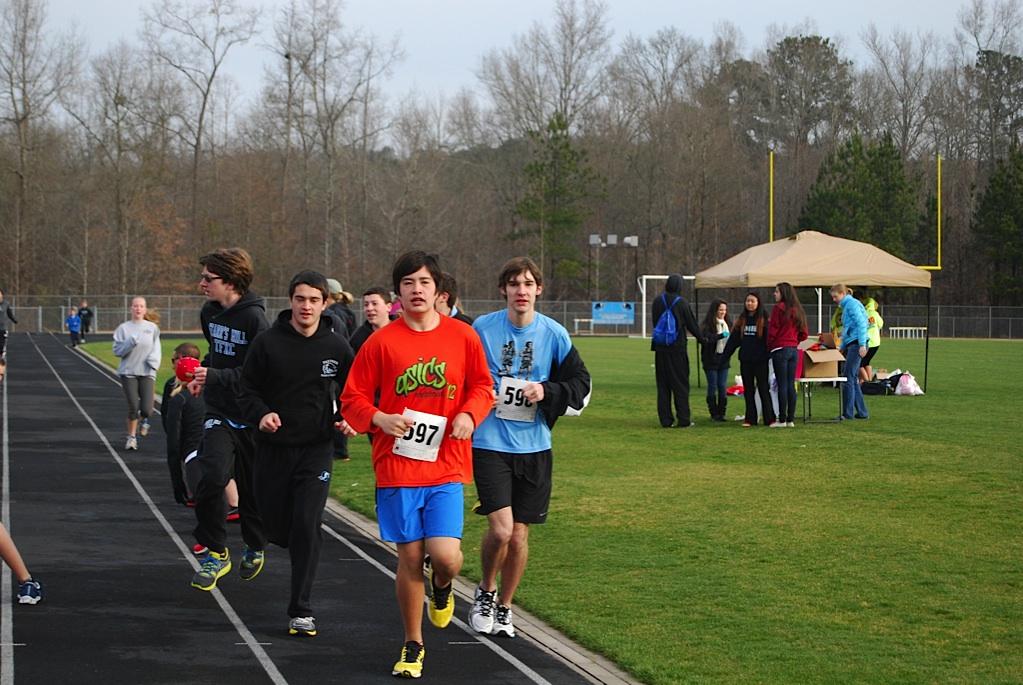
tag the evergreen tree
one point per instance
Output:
(862, 192)
(998, 230)
(558, 185)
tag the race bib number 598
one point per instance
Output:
(422, 440)
(512, 404)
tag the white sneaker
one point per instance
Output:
(303, 626)
(777, 424)
(790, 424)
(503, 622)
(144, 428)
(481, 613)
(131, 443)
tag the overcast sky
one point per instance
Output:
(443, 40)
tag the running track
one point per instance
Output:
(98, 527)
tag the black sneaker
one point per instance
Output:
(30, 592)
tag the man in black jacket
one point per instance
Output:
(86, 314)
(671, 362)
(290, 383)
(447, 299)
(6, 312)
(231, 319)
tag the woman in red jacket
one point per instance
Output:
(785, 330)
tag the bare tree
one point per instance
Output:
(340, 68)
(35, 69)
(550, 71)
(193, 38)
(990, 25)
(663, 69)
(905, 67)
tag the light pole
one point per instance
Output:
(595, 242)
(770, 193)
(633, 242)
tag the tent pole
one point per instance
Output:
(696, 304)
(927, 338)
(820, 309)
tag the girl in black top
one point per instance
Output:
(750, 335)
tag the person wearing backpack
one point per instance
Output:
(672, 317)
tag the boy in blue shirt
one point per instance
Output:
(538, 376)
(74, 325)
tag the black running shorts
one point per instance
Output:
(519, 481)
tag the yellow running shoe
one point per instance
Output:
(441, 605)
(410, 665)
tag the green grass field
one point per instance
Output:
(885, 551)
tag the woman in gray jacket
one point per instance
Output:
(137, 343)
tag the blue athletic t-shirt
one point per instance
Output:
(525, 353)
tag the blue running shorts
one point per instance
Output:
(410, 514)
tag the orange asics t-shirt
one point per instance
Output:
(442, 372)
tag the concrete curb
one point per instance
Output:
(590, 665)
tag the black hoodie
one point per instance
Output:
(300, 378)
(684, 319)
(230, 333)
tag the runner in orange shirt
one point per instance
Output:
(434, 387)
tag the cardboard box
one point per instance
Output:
(827, 340)
(819, 363)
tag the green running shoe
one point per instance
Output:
(211, 568)
(252, 564)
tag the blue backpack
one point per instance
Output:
(666, 328)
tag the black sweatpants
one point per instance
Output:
(755, 377)
(291, 486)
(671, 367)
(225, 453)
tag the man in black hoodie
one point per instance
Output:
(291, 382)
(231, 319)
(671, 362)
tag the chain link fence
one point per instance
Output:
(180, 313)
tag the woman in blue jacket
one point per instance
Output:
(854, 345)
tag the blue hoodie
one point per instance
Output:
(854, 322)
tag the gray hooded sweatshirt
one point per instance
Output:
(138, 346)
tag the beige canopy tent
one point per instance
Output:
(811, 258)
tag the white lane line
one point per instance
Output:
(186, 552)
(529, 673)
(91, 361)
(532, 675)
(6, 615)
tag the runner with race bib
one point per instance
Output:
(538, 376)
(434, 389)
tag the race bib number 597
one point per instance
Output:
(422, 440)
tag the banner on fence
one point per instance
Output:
(621, 313)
